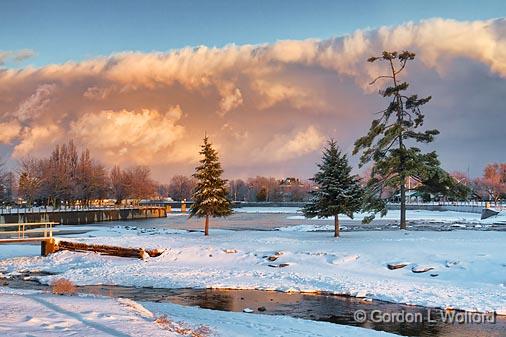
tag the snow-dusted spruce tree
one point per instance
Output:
(339, 192)
(210, 195)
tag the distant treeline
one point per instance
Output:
(71, 176)
(251, 189)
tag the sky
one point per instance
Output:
(141, 82)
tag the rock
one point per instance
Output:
(487, 213)
(398, 265)
(262, 309)
(281, 265)
(247, 310)
(421, 269)
(449, 264)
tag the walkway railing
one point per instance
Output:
(19, 232)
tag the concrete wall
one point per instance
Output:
(77, 217)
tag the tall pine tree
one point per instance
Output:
(391, 137)
(210, 195)
(338, 192)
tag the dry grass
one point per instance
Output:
(181, 328)
(63, 286)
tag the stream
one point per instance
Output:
(328, 308)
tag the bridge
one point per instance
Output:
(30, 232)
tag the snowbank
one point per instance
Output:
(234, 324)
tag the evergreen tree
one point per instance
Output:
(389, 142)
(210, 195)
(338, 191)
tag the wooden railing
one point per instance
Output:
(19, 232)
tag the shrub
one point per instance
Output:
(63, 286)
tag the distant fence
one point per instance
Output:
(467, 207)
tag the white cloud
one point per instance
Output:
(296, 144)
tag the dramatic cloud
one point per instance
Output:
(32, 107)
(284, 147)
(268, 108)
(130, 136)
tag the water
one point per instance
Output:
(329, 308)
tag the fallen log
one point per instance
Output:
(107, 250)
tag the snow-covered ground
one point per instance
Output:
(295, 213)
(429, 216)
(29, 313)
(468, 267)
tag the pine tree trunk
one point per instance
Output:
(336, 225)
(206, 227)
(403, 205)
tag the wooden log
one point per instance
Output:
(108, 250)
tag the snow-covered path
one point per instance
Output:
(469, 267)
(35, 314)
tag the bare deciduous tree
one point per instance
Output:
(181, 187)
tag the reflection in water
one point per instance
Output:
(335, 309)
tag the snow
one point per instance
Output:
(31, 313)
(234, 324)
(38, 314)
(470, 265)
